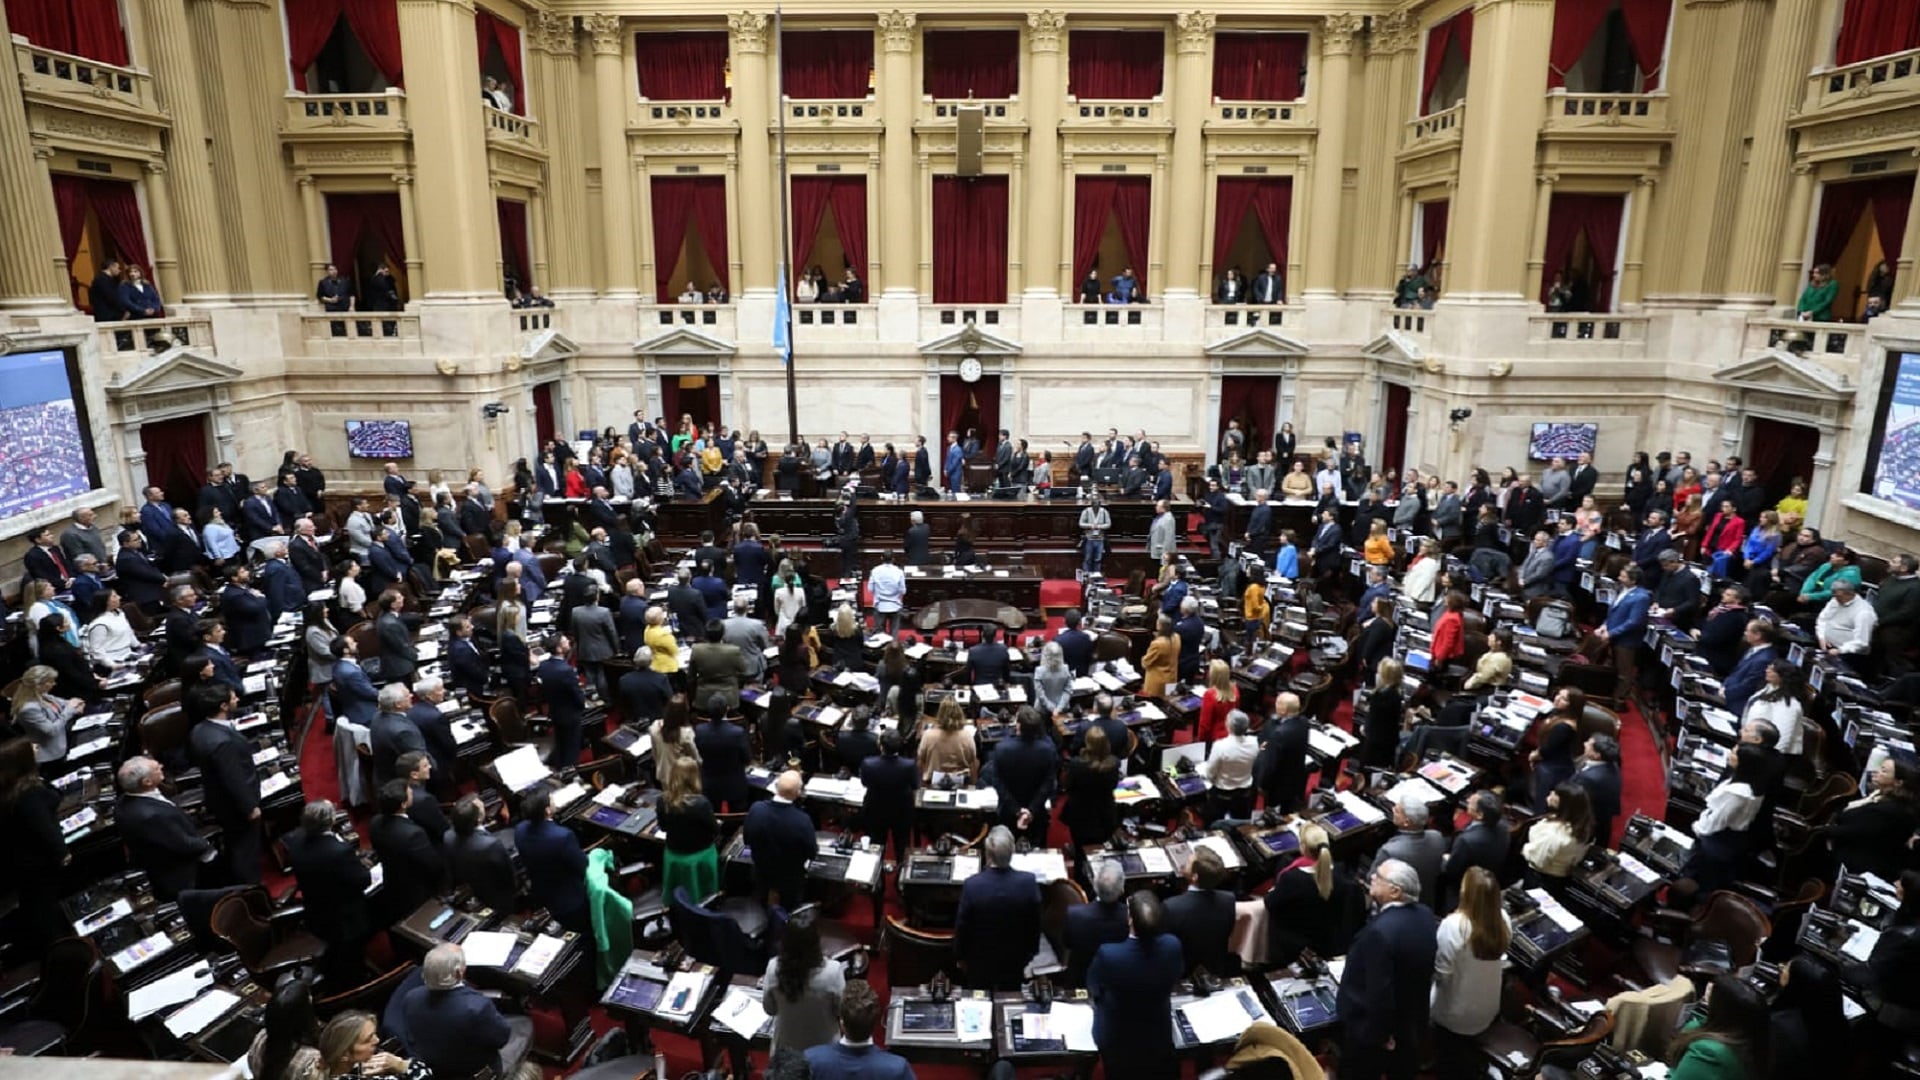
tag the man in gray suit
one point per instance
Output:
(1003, 458)
(359, 530)
(749, 635)
(716, 667)
(1161, 535)
(1260, 475)
(595, 639)
(1447, 512)
(1416, 845)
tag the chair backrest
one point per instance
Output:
(163, 730)
(1787, 917)
(710, 937)
(1736, 920)
(1109, 647)
(509, 726)
(69, 983)
(236, 922)
(160, 693)
(370, 996)
(1055, 898)
(477, 547)
(366, 639)
(550, 564)
(914, 955)
(1599, 720)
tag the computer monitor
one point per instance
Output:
(1419, 661)
(1108, 477)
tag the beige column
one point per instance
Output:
(1764, 186)
(189, 178)
(537, 226)
(166, 240)
(1506, 102)
(410, 236)
(1790, 273)
(1046, 205)
(556, 66)
(1632, 287)
(1374, 259)
(1187, 197)
(758, 196)
(1906, 282)
(1330, 153)
(1537, 245)
(899, 206)
(31, 274)
(456, 233)
(612, 87)
(313, 210)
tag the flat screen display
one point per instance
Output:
(1562, 441)
(45, 455)
(1896, 478)
(380, 438)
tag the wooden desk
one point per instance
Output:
(947, 613)
(1012, 589)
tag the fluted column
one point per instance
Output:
(570, 256)
(1330, 153)
(1374, 259)
(1633, 263)
(1764, 187)
(457, 235)
(1537, 241)
(1906, 281)
(189, 176)
(611, 90)
(166, 240)
(1506, 102)
(1790, 268)
(1187, 197)
(31, 278)
(410, 235)
(313, 212)
(758, 197)
(899, 208)
(1044, 201)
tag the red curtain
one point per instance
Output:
(375, 24)
(961, 64)
(1779, 452)
(70, 207)
(1870, 28)
(1574, 22)
(488, 30)
(513, 241)
(1647, 32)
(1272, 204)
(1892, 202)
(1889, 198)
(1129, 200)
(826, 63)
(1259, 67)
(1249, 399)
(89, 28)
(1455, 31)
(683, 66)
(118, 211)
(1393, 437)
(374, 216)
(953, 405)
(1433, 232)
(309, 25)
(679, 201)
(969, 239)
(1115, 65)
(955, 395)
(1598, 217)
(176, 454)
(847, 197)
(543, 423)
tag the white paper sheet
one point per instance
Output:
(1073, 1022)
(1860, 945)
(1156, 860)
(539, 955)
(488, 948)
(568, 795)
(200, 1015)
(741, 1013)
(862, 864)
(183, 985)
(1222, 847)
(521, 768)
(1216, 1017)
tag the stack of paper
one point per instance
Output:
(568, 795)
(1359, 807)
(488, 948)
(183, 985)
(741, 1013)
(521, 768)
(539, 955)
(200, 1015)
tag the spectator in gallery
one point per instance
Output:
(533, 297)
(1269, 287)
(497, 94)
(1125, 288)
(1232, 288)
(1880, 287)
(334, 292)
(852, 290)
(1406, 292)
(383, 292)
(1816, 300)
(1425, 300)
(138, 296)
(1090, 292)
(717, 293)
(1559, 294)
(806, 290)
(690, 294)
(104, 294)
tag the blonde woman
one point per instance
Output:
(509, 616)
(845, 641)
(1052, 681)
(1385, 710)
(947, 754)
(1306, 908)
(350, 1050)
(1472, 949)
(41, 604)
(659, 639)
(1221, 698)
(690, 825)
(41, 717)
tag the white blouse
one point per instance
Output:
(1731, 807)
(1466, 989)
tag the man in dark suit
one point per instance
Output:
(854, 1056)
(751, 564)
(46, 562)
(1025, 776)
(988, 662)
(476, 858)
(436, 729)
(1585, 478)
(382, 568)
(1101, 921)
(922, 470)
(416, 768)
(182, 626)
(725, 754)
(1678, 595)
(997, 929)
(162, 840)
(918, 544)
(890, 780)
(1202, 916)
(213, 650)
(1259, 525)
(398, 656)
(1526, 508)
(783, 841)
(392, 733)
(215, 496)
(1085, 457)
(1483, 843)
(228, 779)
(280, 583)
(685, 603)
(156, 518)
(1280, 771)
(1131, 983)
(555, 864)
(1268, 287)
(1647, 549)
(414, 868)
(1076, 645)
(454, 1029)
(309, 562)
(141, 582)
(393, 483)
(333, 884)
(466, 667)
(244, 610)
(289, 504)
(1750, 673)
(258, 517)
(1599, 773)
(1383, 997)
(475, 518)
(566, 702)
(352, 696)
(1163, 483)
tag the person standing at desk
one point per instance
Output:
(854, 1056)
(556, 867)
(1470, 953)
(414, 867)
(1101, 921)
(890, 781)
(1025, 777)
(161, 839)
(724, 753)
(997, 929)
(1090, 815)
(802, 988)
(476, 858)
(988, 663)
(1094, 523)
(1384, 993)
(782, 839)
(1131, 983)
(229, 779)
(333, 883)
(1280, 770)
(566, 702)
(1201, 918)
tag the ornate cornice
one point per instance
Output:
(1394, 32)
(1194, 31)
(749, 32)
(896, 31)
(1044, 30)
(552, 33)
(606, 33)
(1338, 31)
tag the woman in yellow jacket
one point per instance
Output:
(1379, 549)
(1161, 666)
(1254, 607)
(659, 640)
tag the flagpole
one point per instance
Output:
(786, 275)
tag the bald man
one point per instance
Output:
(783, 840)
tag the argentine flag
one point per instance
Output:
(783, 320)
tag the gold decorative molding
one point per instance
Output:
(1338, 31)
(749, 32)
(606, 33)
(896, 29)
(1044, 29)
(1194, 31)
(552, 33)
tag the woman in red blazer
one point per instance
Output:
(1450, 633)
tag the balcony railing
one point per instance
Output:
(1436, 128)
(510, 127)
(353, 333)
(940, 320)
(155, 335)
(1230, 319)
(54, 73)
(1596, 112)
(946, 109)
(1894, 73)
(1082, 110)
(836, 322)
(347, 114)
(1415, 321)
(1114, 322)
(713, 320)
(534, 320)
(826, 111)
(1566, 335)
(1259, 113)
(1829, 340)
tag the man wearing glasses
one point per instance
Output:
(1383, 993)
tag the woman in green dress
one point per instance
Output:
(1816, 300)
(688, 820)
(1729, 1042)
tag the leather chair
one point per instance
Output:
(163, 731)
(1528, 1036)
(366, 639)
(1786, 918)
(56, 1017)
(713, 937)
(478, 548)
(1598, 720)
(510, 727)
(370, 996)
(915, 954)
(1055, 898)
(1726, 920)
(244, 920)
(1109, 647)
(160, 693)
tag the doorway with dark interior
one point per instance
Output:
(544, 425)
(697, 396)
(1781, 453)
(176, 456)
(970, 406)
(1396, 403)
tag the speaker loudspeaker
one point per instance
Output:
(969, 152)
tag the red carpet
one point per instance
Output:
(1643, 775)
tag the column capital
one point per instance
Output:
(1338, 31)
(896, 28)
(552, 33)
(1647, 181)
(42, 151)
(1195, 31)
(1044, 30)
(1394, 32)
(154, 168)
(402, 178)
(749, 31)
(606, 33)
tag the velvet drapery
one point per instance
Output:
(978, 64)
(1115, 65)
(1259, 67)
(826, 63)
(1598, 218)
(680, 202)
(682, 66)
(1127, 200)
(1271, 201)
(969, 239)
